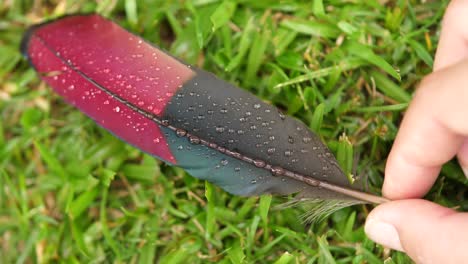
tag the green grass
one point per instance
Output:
(70, 192)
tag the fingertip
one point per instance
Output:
(405, 180)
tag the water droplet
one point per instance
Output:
(257, 106)
(210, 112)
(117, 109)
(213, 145)
(181, 132)
(288, 153)
(271, 138)
(271, 151)
(242, 119)
(290, 139)
(325, 168)
(180, 147)
(106, 102)
(221, 149)
(259, 163)
(281, 115)
(223, 110)
(306, 139)
(71, 87)
(277, 171)
(231, 141)
(224, 162)
(248, 113)
(200, 117)
(253, 181)
(165, 122)
(220, 129)
(240, 132)
(237, 169)
(194, 140)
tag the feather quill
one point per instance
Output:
(185, 116)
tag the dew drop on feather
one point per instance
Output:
(181, 132)
(259, 163)
(194, 140)
(164, 122)
(277, 171)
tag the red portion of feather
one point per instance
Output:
(118, 60)
(121, 63)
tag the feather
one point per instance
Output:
(183, 115)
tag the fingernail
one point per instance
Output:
(465, 171)
(383, 233)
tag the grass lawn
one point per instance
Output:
(71, 192)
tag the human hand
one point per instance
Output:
(433, 131)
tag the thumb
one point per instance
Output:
(427, 232)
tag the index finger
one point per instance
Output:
(427, 138)
(431, 133)
(453, 43)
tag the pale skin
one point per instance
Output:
(433, 131)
